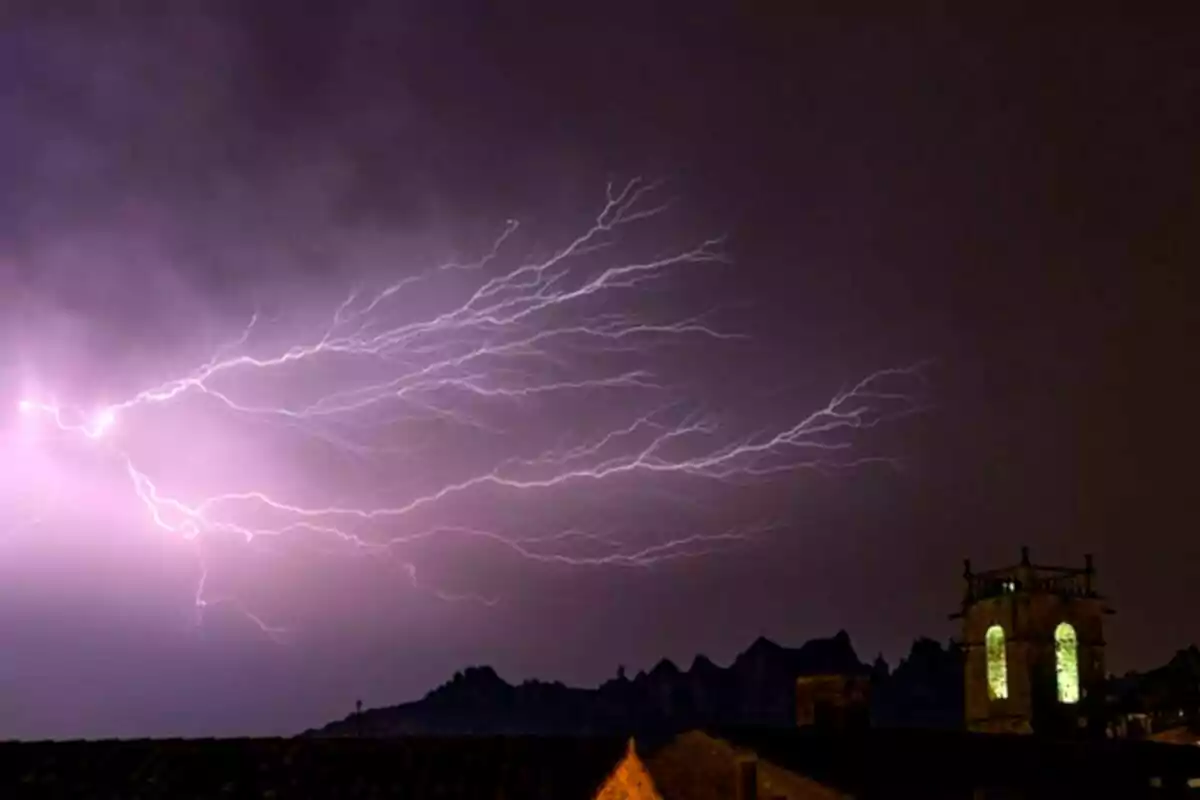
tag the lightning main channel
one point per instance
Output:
(547, 331)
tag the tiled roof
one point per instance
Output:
(524, 768)
(696, 766)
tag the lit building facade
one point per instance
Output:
(1033, 640)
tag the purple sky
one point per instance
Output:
(369, 341)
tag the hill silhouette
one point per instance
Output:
(757, 688)
(1172, 689)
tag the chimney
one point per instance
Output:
(1025, 556)
(747, 777)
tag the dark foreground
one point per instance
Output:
(728, 763)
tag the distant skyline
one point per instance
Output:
(351, 346)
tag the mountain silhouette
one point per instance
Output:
(924, 691)
(757, 688)
(1173, 687)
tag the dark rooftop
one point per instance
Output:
(180, 769)
(928, 763)
(876, 763)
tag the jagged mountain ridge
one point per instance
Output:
(757, 688)
(925, 690)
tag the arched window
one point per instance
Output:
(997, 663)
(1066, 658)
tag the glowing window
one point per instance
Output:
(997, 663)
(1066, 657)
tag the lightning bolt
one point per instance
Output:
(545, 331)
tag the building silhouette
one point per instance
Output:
(833, 703)
(1033, 642)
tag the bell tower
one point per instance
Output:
(1033, 645)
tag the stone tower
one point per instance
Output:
(1033, 645)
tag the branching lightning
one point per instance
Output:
(543, 331)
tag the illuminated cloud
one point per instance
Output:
(423, 376)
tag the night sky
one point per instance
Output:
(270, 279)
